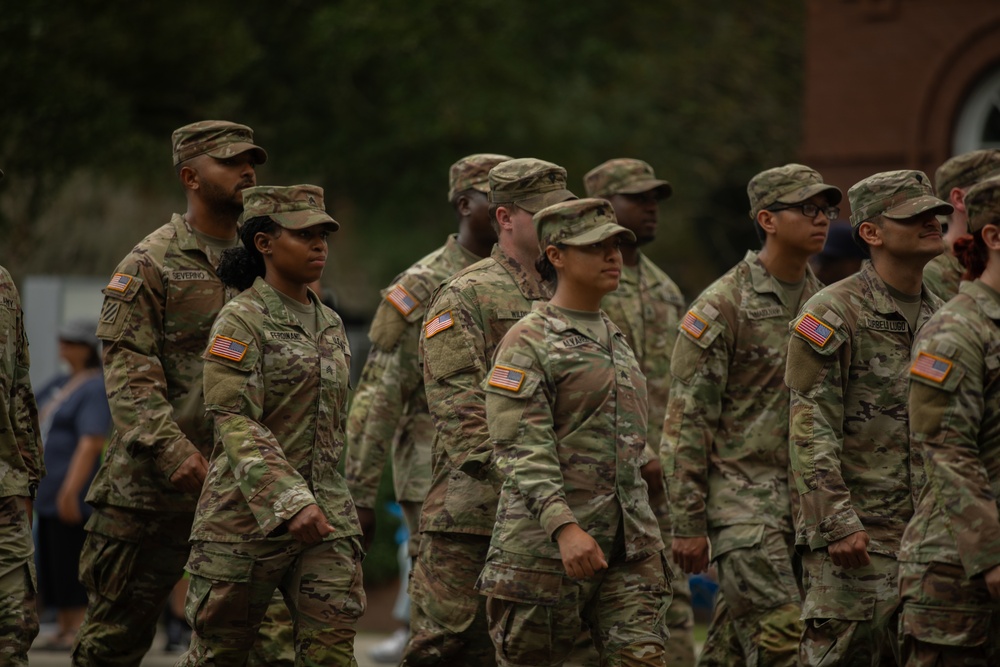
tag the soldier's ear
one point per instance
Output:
(870, 233)
(263, 242)
(189, 177)
(768, 221)
(555, 256)
(991, 237)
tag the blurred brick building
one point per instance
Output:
(894, 84)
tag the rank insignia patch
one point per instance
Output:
(228, 348)
(693, 324)
(120, 282)
(439, 324)
(931, 367)
(401, 299)
(506, 378)
(814, 329)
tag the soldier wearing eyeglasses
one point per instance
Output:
(725, 448)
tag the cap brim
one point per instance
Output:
(538, 202)
(304, 219)
(914, 207)
(598, 234)
(663, 188)
(229, 150)
(833, 193)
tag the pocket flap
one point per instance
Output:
(219, 566)
(518, 584)
(946, 626)
(736, 537)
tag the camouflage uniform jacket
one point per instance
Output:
(157, 312)
(849, 435)
(471, 313)
(648, 313)
(390, 405)
(954, 391)
(727, 424)
(567, 417)
(21, 462)
(278, 397)
(943, 274)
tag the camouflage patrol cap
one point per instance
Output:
(897, 195)
(789, 184)
(578, 222)
(473, 173)
(292, 207)
(218, 138)
(982, 202)
(625, 176)
(965, 170)
(529, 183)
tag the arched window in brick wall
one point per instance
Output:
(979, 121)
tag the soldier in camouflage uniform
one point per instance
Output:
(158, 309)
(726, 435)
(22, 469)
(647, 307)
(952, 180)
(576, 541)
(849, 443)
(274, 512)
(468, 317)
(390, 406)
(949, 575)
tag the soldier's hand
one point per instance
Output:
(992, 578)
(68, 507)
(191, 474)
(29, 507)
(309, 525)
(366, 517)
(652, 472)
(691, 553)
(850, 552)
(581, 555)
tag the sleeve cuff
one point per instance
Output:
(555, 516)
(840, 525)
(689, 526)
(170, 458)
(272, 514)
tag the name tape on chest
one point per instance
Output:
(694, 325)
(228, 348)
(506, 378)
(8, 303)
(284, 335)
(930, 367)
(401, 300)
(439, 324)
(120, 282)
(894, 326)
(181, 275)
(814, 329)
(573, 341)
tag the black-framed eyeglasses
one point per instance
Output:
(812, 210)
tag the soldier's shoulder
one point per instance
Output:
(725, 292)
(663, 283)
(153, 249)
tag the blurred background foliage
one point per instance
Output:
(373, 100)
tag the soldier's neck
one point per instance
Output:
(630, 254)
(904, 276)
(217, 224)
(789, 267)
(526, 259)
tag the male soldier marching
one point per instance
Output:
(390, 406)
(726, 435)
(158, 309)
(952, 180)
(471, 313)
(22, 469)
(849, 442)
(647, 307)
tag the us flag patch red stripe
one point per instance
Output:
(506, 378)
(931, 367)
(120, 282)
(401, 299)
(439, 324)
(693, 324)
(814, 329)
(228, 348)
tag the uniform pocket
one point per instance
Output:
(106, 564)
(519, 584)
(218, 592)
(945, 626)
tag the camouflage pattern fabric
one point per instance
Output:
(219, 138)
(947, 619)
(965, 170)
(942, 275)
(232, 586)
(18, 584)
(624, 176)
(851, 616)
(788, 184)
(389, 408)
(722, 647)
(897, 195)
(291, 206)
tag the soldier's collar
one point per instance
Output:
(530, 286)
(985, 297)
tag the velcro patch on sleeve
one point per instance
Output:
(931, 367)
(228, 348)
(694, 325)
(507, 378)
(402, 300)
(120, 282)
(439, 324)
(814, 329)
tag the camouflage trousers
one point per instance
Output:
(447, 614)
(947, 619)
(536, 612)
(722, 646)
(18, 618)
(759, 581)
(129, 564)
(411, 515)
(851, 616)
(232, 585)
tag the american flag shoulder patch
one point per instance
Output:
(402, 300)
(228, 348)
(439, 324)
(506, 378)
(814, 329)
(120, 282)
(933, 368)
(693, 324)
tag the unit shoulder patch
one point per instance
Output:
(814, 329)
(228, 348)
(402, 300)
(439, 324)
(504, 377)
(931, 367)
